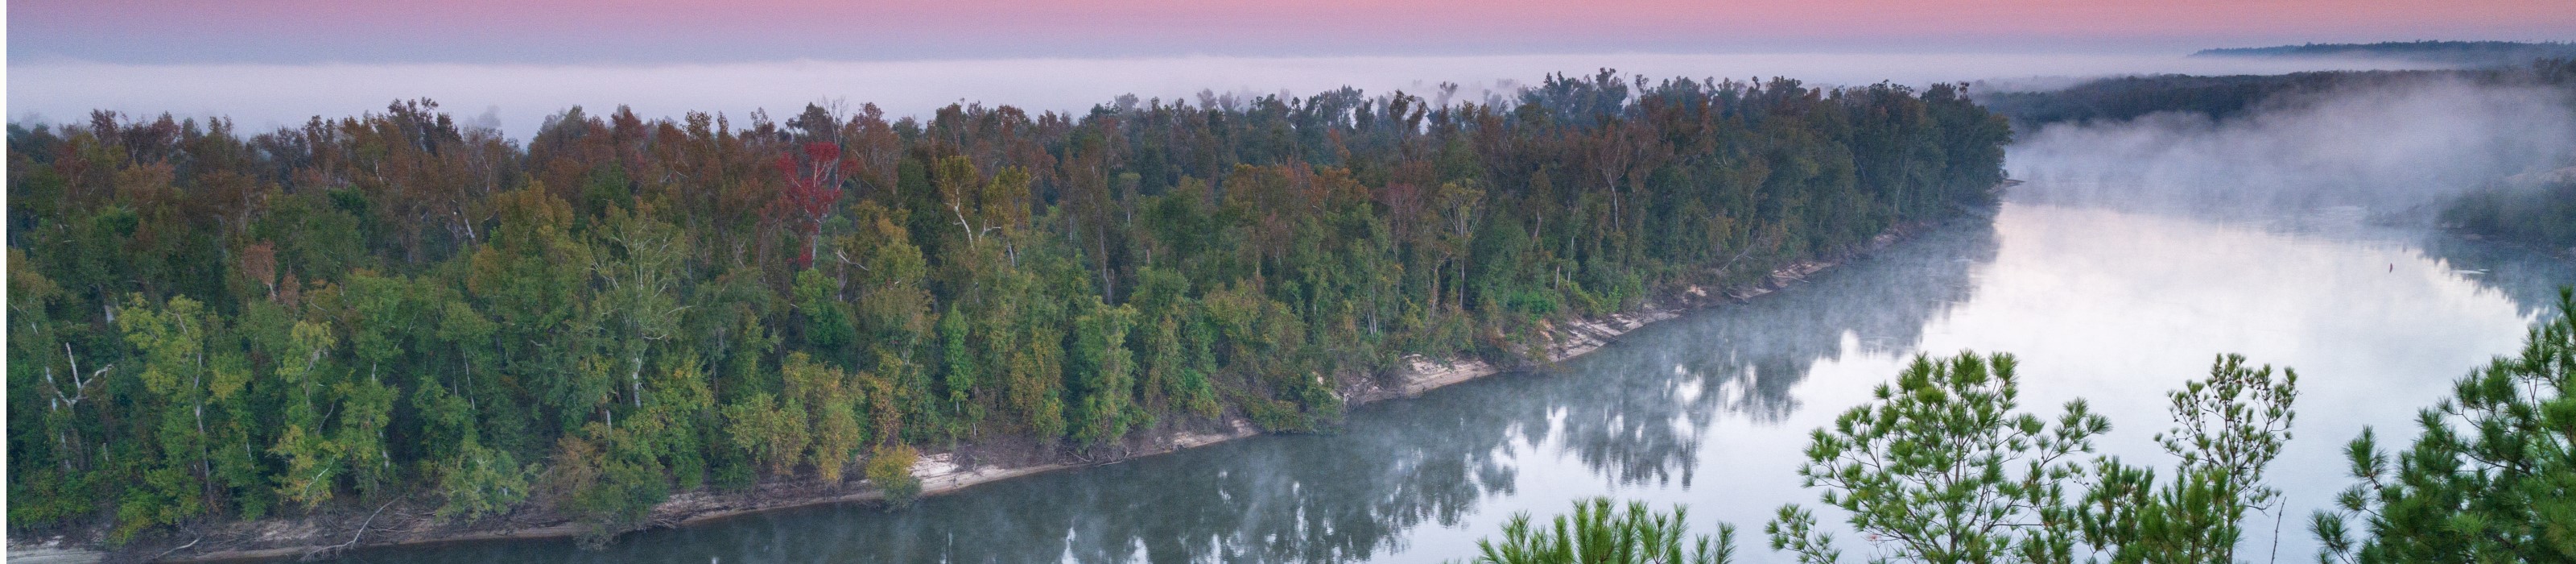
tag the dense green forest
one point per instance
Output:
(2128, 97)
(209, 324)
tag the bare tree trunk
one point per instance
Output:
(635, 379)
(205, 456)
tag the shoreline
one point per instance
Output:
(313, 536)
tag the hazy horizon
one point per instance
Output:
(273, 63)
(615, 31)
(516, 98)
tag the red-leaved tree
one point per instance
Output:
(813, 187)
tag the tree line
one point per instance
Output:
(2487, 53)
(2123, 98)
(208, 324)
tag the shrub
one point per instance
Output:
(890, 468)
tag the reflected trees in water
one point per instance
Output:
(1631, 413)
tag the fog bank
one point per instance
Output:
(2398, 149)
(518, 97)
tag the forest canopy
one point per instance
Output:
(216, 324)
(2226, 97)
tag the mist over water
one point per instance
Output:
(2399, 149)
(517, 98)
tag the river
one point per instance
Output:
(1711, 409)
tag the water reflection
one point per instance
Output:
(2531, 281)
(1711, 410)
(1632, 413)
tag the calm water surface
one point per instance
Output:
(1711, 410)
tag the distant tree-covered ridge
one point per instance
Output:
(2128, 97)
(209, 324)
(2222, 97)
(2464, 52)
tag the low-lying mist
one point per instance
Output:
(2400, 149)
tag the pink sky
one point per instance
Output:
(150, 31)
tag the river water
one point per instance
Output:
(1711, 409)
